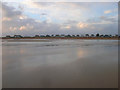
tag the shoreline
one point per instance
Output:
(84, 38)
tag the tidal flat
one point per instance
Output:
(56, 63)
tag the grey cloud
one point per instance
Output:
(69, 22)
(44, 3)
(102, 18)
(111, 19)
(93, 20)
(39, 27)
(52, 28)
(10, 11)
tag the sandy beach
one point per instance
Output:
(53, 63)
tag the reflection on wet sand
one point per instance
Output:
(77, 65)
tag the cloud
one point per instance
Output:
(13, 21)
(22, 28)
(103, 20)
(65, 27)
(9, 12)
(68, 27)
(82, 25)
(115, 10)
(6, 19)
(22, 17)
(27, 27)
(108, 11)
(13, 28)
(109, 19)
(56, 11)
(63, 18)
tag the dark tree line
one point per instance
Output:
(63, 35)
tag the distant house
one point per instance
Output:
(57, 35)
(87, 35)
(52, 35)
(106, 35)
(97, 35)
(116, 35)
(8, 36)
(68, 35)
(42, 36)
(27, 36)
(62, 35)
(47, 35)
(17, 36)
(78, 35)
(37, 36)
(82, 36)
(73, 35)
(92, 35)
(101, 35)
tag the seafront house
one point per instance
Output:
(17, 36)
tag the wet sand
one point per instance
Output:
(60, 64)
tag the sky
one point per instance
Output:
(42, 18)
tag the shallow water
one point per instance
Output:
(60, 64)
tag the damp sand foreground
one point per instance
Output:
(57, 63)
